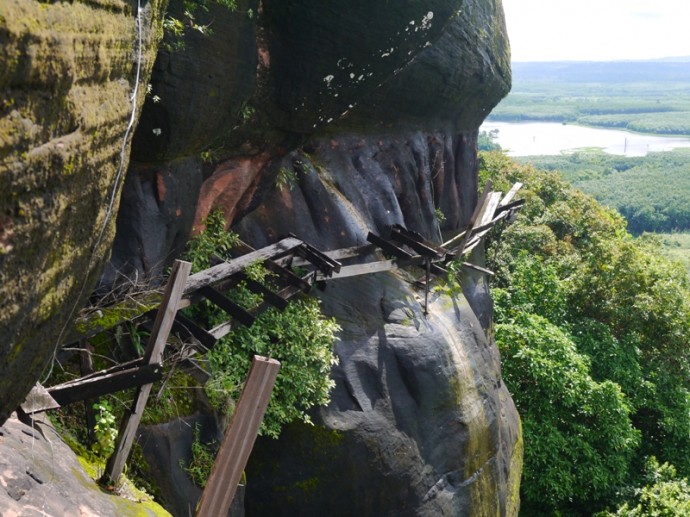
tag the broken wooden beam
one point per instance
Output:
(153, 354)
(403, 255)
(184, 324)
(511, 194)
(91, 388)
(461, 239)
(287, 275)
(388, 247)
(416, 242)
(361, 269)
(267, 294)
(318, 259)
(286, 293)
(38, 400)
(222, 271)
(239, 439)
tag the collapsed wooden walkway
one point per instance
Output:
(400, 248)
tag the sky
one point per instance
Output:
(597, 30)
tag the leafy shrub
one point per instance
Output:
(202, 459)
(300, 337)
(664, 495)
(105, 431)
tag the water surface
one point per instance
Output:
(549, 138)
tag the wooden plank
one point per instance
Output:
(227, 305)
(38, 400)
(340, 254)
(287, 275)
(462, 238)
(167, 311)
(239, 439)
(86, 363)
(195, 369)
(154, 354)
(469, 265)
(222, 271)
(321, 261)
(416, 242)
(511, 194)
(388, 247)
(361, 269)
(92, 388)
(134, 363)
(268, 295)
(512, 206)
(224, 329)
(487, 213)
(184, 324)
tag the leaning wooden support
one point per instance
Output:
(239, 439)
(94, 387)
(154, 354)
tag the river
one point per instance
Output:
(549, 138)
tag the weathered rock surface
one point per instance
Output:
(67, 72)
(373, 109)
(40, 475)
(306, 67)
(167, 449)
(420, 422)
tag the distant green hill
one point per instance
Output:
(609, 72)
(642, 96)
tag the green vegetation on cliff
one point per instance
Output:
(300, 337)
(593, 326)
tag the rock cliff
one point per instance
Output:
(40, 475)
(68, 72)
(372, 110)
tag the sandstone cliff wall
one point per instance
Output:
(374, 109)
(67, 75)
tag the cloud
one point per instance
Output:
(597, 29)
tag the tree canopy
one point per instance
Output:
(593, 327)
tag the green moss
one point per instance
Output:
(108, 317)
(136, 502)
(514, 477)
(307, 486)
(177, 395)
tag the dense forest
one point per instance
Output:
(593, 327)
(651, 192)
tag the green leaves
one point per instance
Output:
(663, 495)
(593, 328)
(579, 439)
(300, 337)
(214, 241)
(105, 431)
(302, 340)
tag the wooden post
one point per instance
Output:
(154, 354)
(86, 361)
(239, 439)
(463, 238)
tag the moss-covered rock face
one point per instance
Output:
(67, 76)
